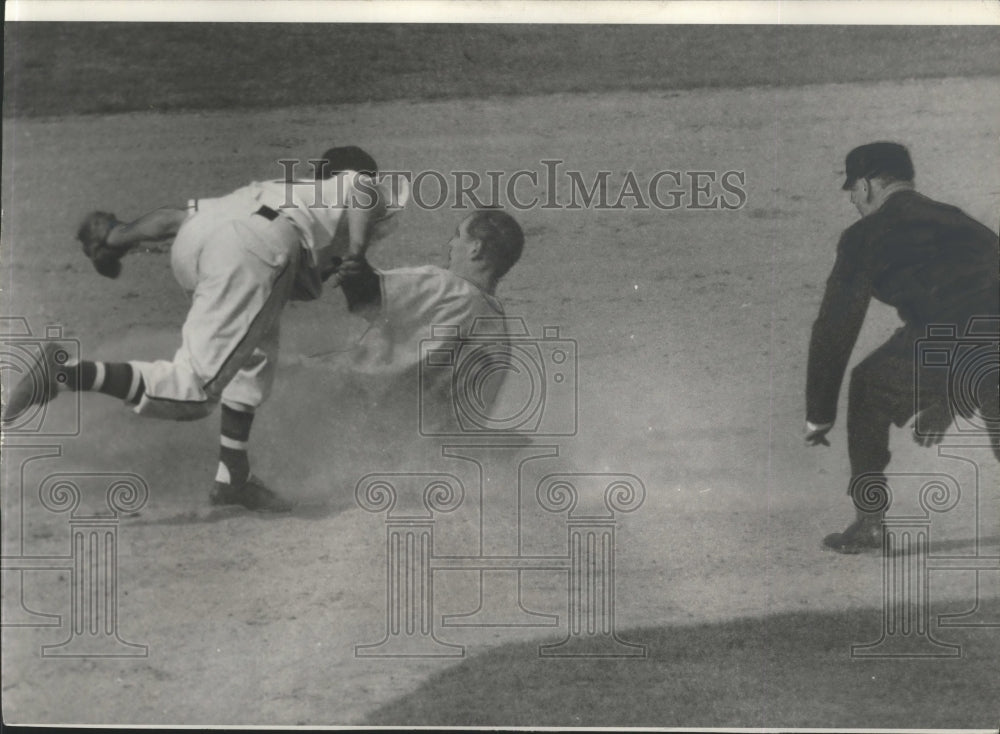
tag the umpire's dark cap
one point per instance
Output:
(347, 158)
(878, 159)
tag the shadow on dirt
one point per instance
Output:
(793, 669)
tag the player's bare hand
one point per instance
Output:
(815, 433)
(353, 265)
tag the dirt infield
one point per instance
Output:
(691, 329)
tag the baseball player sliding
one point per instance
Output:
(241, 257)
(404, 304)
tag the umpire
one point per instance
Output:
(936, 266)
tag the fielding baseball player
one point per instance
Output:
(241, 257)
(935, 265)
(403, 304)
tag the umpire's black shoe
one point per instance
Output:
(253, 496)
(864, 534)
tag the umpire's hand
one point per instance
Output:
(815, 433)
(931, 424)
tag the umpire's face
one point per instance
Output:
(861, 196)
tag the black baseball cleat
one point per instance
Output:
(253, 496)
(864, 534)
(40, 383)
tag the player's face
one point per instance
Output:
(460, 244)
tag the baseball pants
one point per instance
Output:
(240, 273)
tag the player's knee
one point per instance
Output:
(175, 410)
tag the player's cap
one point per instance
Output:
(348, 158)
(878, 159)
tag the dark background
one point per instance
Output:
(72, 68)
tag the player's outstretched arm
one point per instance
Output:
(155, 226)
(105, 240)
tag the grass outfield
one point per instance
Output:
(80, 68)
(762, 672)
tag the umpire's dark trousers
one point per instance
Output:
(887, 388)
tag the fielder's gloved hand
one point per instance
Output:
(93, 235)
(815, 433)
(361, 285)
(331, 269)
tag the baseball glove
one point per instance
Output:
(93, 235)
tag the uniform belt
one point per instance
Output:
(268, 213)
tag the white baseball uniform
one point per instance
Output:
(241, 257)
(427, 310)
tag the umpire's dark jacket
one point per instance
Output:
(929, 260)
